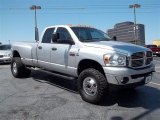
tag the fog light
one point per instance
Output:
(124, 80)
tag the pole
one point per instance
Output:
(135, 29)
(35, 17)
(135, 24)
(34, 7)
(36, 29)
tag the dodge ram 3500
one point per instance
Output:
(87, 54)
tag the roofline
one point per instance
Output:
(70, 25)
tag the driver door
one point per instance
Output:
(63, 55)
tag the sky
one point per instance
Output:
(17, 20)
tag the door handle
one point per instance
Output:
(54, 48)
(39, 47)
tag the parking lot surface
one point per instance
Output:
(44, 96)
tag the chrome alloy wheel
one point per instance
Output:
(90, 86)
(14, 67)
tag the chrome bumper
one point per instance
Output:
(123, 76)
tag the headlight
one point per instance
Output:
(114, 60)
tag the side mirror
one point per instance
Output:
(114, 38)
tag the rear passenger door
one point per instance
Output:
(44, 49)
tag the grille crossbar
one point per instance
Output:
(140, 59)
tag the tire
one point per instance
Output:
(18, 69)
(92, 85)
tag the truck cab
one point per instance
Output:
(57, 50)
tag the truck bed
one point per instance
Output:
(27, 51)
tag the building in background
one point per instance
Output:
(156, 42)
(125, 32)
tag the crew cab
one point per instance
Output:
(155, 49)
(89, 55)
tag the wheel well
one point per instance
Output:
(84, 64)
(16, 54)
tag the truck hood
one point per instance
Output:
(126, 48)
(5, 52)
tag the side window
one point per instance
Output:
(63, 34)
(48, 35)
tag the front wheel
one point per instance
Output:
(92, 85)
(18, 69)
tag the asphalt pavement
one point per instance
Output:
(44, 96)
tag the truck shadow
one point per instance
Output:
(146, 97)
(61, 82)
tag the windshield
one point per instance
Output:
(86, 34)
(5, 47)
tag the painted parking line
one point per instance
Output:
(155, 83)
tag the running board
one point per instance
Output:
(54, 73)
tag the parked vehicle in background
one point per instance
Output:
(5, 53)
(87, 54)
(155, 49)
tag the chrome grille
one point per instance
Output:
(140, 59)
(148, 61)
(137, 55)
(149, 54)
(137, 63)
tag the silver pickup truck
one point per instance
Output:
(87, 54)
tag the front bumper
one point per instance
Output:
(5, 60)
(128, 76)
